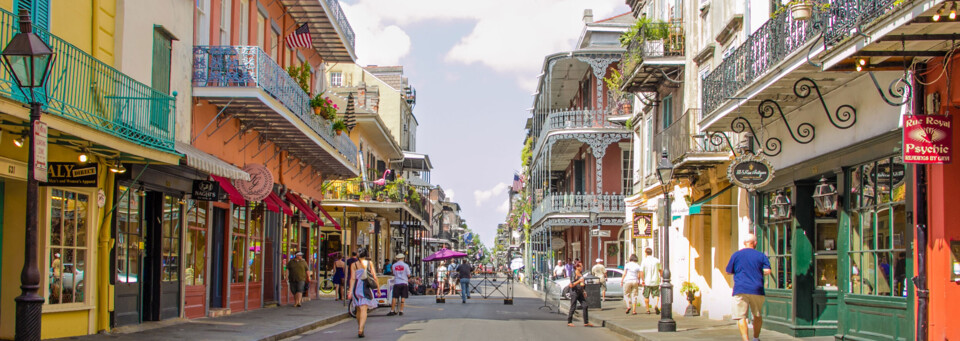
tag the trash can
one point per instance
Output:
(593, 290)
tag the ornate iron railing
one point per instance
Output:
(572, 119)
(681, 139)
(578, 203)
(654, 40)
(85, 90)
(249, 66)
(782, 36)
(341, 18)
(388, 192)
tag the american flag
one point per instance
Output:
(517, 183)
(300, 37)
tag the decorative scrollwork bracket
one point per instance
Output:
(805, 131)
(845, 116)
(899, 90)
(770, 148)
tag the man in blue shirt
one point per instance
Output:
(748, 266)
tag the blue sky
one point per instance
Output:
(474, 65)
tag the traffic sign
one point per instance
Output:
(599, 233)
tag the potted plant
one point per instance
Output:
(339, 126)
(301, 74)
(691, 290)
(801, 10)
(367, 194)
(324, 107)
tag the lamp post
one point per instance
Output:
(666, 323)
(28, 59)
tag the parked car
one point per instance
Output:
(71, 276)
(614, 289)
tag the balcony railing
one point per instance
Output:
(654, 40)
(341, 18)
(682, 140)
(249, 66)
(782, 36)
(578, 203)
(390, 192)
(573, 119)
(85, 90)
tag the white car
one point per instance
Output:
(614, 289)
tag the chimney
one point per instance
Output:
(587, 16)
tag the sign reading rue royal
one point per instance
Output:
(750, 171)
(69, 174)
(927, 139)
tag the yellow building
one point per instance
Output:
(94, 110)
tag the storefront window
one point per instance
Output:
(255, 250)
(129, 238)
(170, 259)
(238, 244)
(68, 246)
(195, 258)
(776, 241)
(878, 228)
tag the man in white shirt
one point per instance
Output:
(401, 290)
(650, 273)
(558, 270)
(631, 283)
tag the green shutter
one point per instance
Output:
(160, 79)
(39, 12)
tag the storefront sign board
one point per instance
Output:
(750, 171)
(205, 190)
(927, 139)
(642, 225)
(40, 151)
(260, 184)
(69, 174)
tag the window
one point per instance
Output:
(244, 22)
(203, 23)
(275, 46)
(878, 228)
(170, 240)
(255, 250)
(68, 246)
(648, 147)
(129, 234)
(261, 30)
(160, 113)
(336, 79)
(225, 14)
(238, 242)
(39, 12)
(195, 259)
(667, 111)
(627, 167)
(775, 235)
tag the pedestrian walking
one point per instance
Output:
(558, 270)
(339, 271)
(349, 264)
(464, 271)
(579, 296)
(568, 268)
(401, 287)
(362, 287)
(452, 274)
(388, 267)
(650, 274)
(748, 267)
(600, 271)
(297, 277)
(630, 282)
(441, 278)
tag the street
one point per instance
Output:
(478, 319)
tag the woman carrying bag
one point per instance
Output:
(361, 289)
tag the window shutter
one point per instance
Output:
(160, 79)
(39, 12)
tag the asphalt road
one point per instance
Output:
(478, 319)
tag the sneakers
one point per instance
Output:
(401, 313)
(756, 339)
(391, 313)
(656, 310)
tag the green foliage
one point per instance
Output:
(651, 30)
(339, 125)
(817, 5)
(301, 74)
(629, 123)
(526, 155)
(327, 109)
(614, 81)
(414, 196)
(688, 287)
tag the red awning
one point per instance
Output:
(271, 205)
(325, 214)
(302, 206)
(235, 196)
(280, 204)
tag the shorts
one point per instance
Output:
(630, 288)
(298, 287)
(651, 291)
(401, 291)
(743, 302)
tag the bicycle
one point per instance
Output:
(326, 286)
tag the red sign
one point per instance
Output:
(260, 184)
(927, 139)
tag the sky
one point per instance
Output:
(474, 65)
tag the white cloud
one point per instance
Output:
(509, 36)
(504, 207)
(484, 195)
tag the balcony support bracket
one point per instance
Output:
(719, 138)
(770, 148)
(805, 132)
(846, 115)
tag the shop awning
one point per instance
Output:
(325, 214)
(697, 205)
(235, 196)
(302, 206)
(278, 203)
(211, 164)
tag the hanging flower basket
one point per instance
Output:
(801, 11)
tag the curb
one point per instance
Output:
(306, 327)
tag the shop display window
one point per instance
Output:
(195, 259)
(878, 228)
(68, 247)
(255, 248)
(170, 243)
(775, 239)
(238, 244)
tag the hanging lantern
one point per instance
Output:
(825, 196)
(781, 206)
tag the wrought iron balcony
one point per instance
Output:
(331, 32)
(87, 91)
(654, 52)
(570, 119)
(251, 67)
(578, 203)
(689, 149)
(782, 36)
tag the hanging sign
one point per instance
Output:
(750, 171)
(927, 139)
(40, 151)
(642, 225)
(260, 184)
(69, 174)
(205, 190)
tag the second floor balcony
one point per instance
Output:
(655, 53)
(572, 120)
(329, 28)
(246, 83)
(688, 149)
(389, 195)
(560, 204)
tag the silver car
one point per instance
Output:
(614, 289)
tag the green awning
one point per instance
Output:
(696, 206)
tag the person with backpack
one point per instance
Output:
(362, 287)
(578, 295)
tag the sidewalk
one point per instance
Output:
(643, 327)
(265, 324)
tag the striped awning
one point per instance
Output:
(211, 164)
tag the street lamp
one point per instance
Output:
(825, 196)
(28, 59)
(666, 323)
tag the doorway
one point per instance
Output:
(217, 276)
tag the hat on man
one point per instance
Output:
(299, 253)
(400, 256)
(599, 260)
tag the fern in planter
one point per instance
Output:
(301, 74)
(339, 126)
(689, 287)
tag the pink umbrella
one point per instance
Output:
(444, 254)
